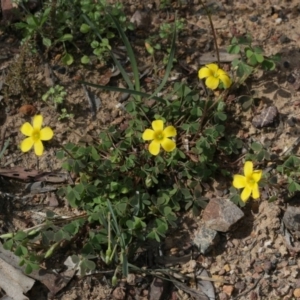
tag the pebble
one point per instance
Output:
(267, 266)
(205, 238)
(291, 219)
(266, 118)
(221, 214)
(228, 289)
(296, 293)
(223, 296)
(284, 39)
(278, 21)
(240, 286)
(253, 18)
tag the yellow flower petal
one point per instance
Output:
(168, 145)
(37, 122)
(246, 194)
(255, 191)
(38, 148)
(257, 175)
(26, 129)
(158, 125)
(239, 181)
(148, 135)
(154, 147)
(26, 144)
(248, 168)
(225, 80)
(205, 72)
(213, 67)
(169, 131)
(46, 134)
(212, 82)
(221, 72)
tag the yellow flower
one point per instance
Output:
(249, 182)
(160, 137)
(36, 134)
(214, 76)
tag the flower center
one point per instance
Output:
(216, 75)
(159, 135)
(36, 135)
(251, 181)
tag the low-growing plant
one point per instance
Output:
(133, 181)
(56, 94)
(60, 23)
(251, 57)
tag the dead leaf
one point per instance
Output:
(13, 281)
(27, 110)
(105, 78)
(54, 282)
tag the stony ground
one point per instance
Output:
(255, 260)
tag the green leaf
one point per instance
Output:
(221, 116)
(47, 42)
(259, 57)
(268, 65)
(256, 146)
(31, 20)
(260, 155)
(252, 60)
(58, 236)
(50, 214)
(60, 154)
(21, 251)
(85, 59)
(257, 50)
(8, 244)
(67, 59)
(246, 102)
(84, 28)
(66, 37)
(90, 265)
(233, 49)
(75, 259)
(249, 52)
(28, 269)
(293, 187)
(20, 235)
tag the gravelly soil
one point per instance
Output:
(254, 260)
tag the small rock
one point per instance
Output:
(119, 293)
(258, 269)
(131, 279)
(291, 218)
(266, 117)
(223, 296)
(240, 286)
(227, 268)
(268, 266)
(157, 288)
(278, 21)
(291, 122)
(205, 238)
(228, 289)
(290, 79)
(284, 39)
(221, 214)
(141, 19)
(296, 293)
(253, 295)
(253, 18)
